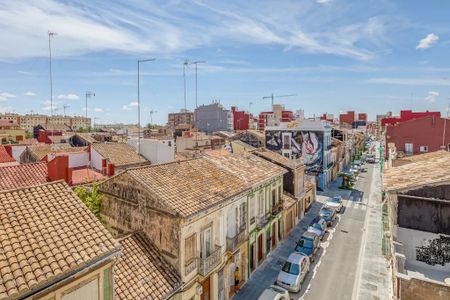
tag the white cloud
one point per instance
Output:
(4, 96)
(68, 97)
(134, 104)
(427, 41)
(147, 27)
(98, 109)
(48, 105)
(324, 1)
(432, 97)
(411, 81)
(126, 108)
(30, 94)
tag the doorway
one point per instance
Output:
(274, 235)
(206, 289)
(260, 248)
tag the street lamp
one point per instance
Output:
(50, 35)
(186, 64)
(139, 99)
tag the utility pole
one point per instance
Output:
(250, 107)
(139, 99)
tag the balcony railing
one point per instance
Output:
(191, 266)
(261, 221)
(278, 207)
(212, 261)
(233, 243)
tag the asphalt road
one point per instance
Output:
(334, 275)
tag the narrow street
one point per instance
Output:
(337, 270)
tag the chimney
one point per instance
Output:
(104, 166)
(58, 168)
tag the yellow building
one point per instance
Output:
(57, 250)
(29, 121)
(11, 132)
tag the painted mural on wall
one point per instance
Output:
(435, 251)
(298, 143)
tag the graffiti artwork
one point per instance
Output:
(434, 252)
(308, 144)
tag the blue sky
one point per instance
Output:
(336, 55)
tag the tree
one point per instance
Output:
(91, 198)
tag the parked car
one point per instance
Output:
(308, 244)
(294, 272)
(318, 227)
(335, 203)
(274, 292)
(371, 159)
(329, 215)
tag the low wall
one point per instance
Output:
(416, 289)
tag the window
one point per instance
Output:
(243, 215)
(190, 247)
(206, 242)
(260, 203)
(280, 193)
(274, 197)
(251, 209)
(170, 143)
(408, 148)
(423, 148)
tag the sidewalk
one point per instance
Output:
(375, 280)
(266, 274)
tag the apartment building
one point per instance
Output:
(309, 139)
(213, 117)
(184, 117)
(200, 214)
(29, 121)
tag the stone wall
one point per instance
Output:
(415, 289)
(127, 206)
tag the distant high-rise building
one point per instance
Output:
(29, 121)
(274, 117)
(184, 117)
(241, 119)
(213, 117)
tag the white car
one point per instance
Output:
(294, 272)
(335, 203)
(274, 293)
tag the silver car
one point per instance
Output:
(294, 272)
(274, 293)
(335, 203)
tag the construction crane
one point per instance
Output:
(281, 96)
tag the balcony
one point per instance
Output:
(261, 221)
(277, 208)
(212, 261)
(191, 266)
(233, 243)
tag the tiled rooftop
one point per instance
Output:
(41, 150)
(46, 233)
(188, 187)
(277, 158)
(425, 169)
(119, 154)
(142, 272)
(288, 200)
(85, 175)
(4, 156)
(24, 175)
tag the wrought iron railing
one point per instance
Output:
(213, 260)
(233, 243)
(190, 266)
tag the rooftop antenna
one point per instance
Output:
(65, 106)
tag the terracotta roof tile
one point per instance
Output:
(119, 154)
(142, 272)
(425, 169)
(46, 232)
(24, 175)
(278, 158)
(188, 187)
(4, 156)
(41, 150)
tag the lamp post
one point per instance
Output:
(139, 99)
(50, 35)
(186, 64)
